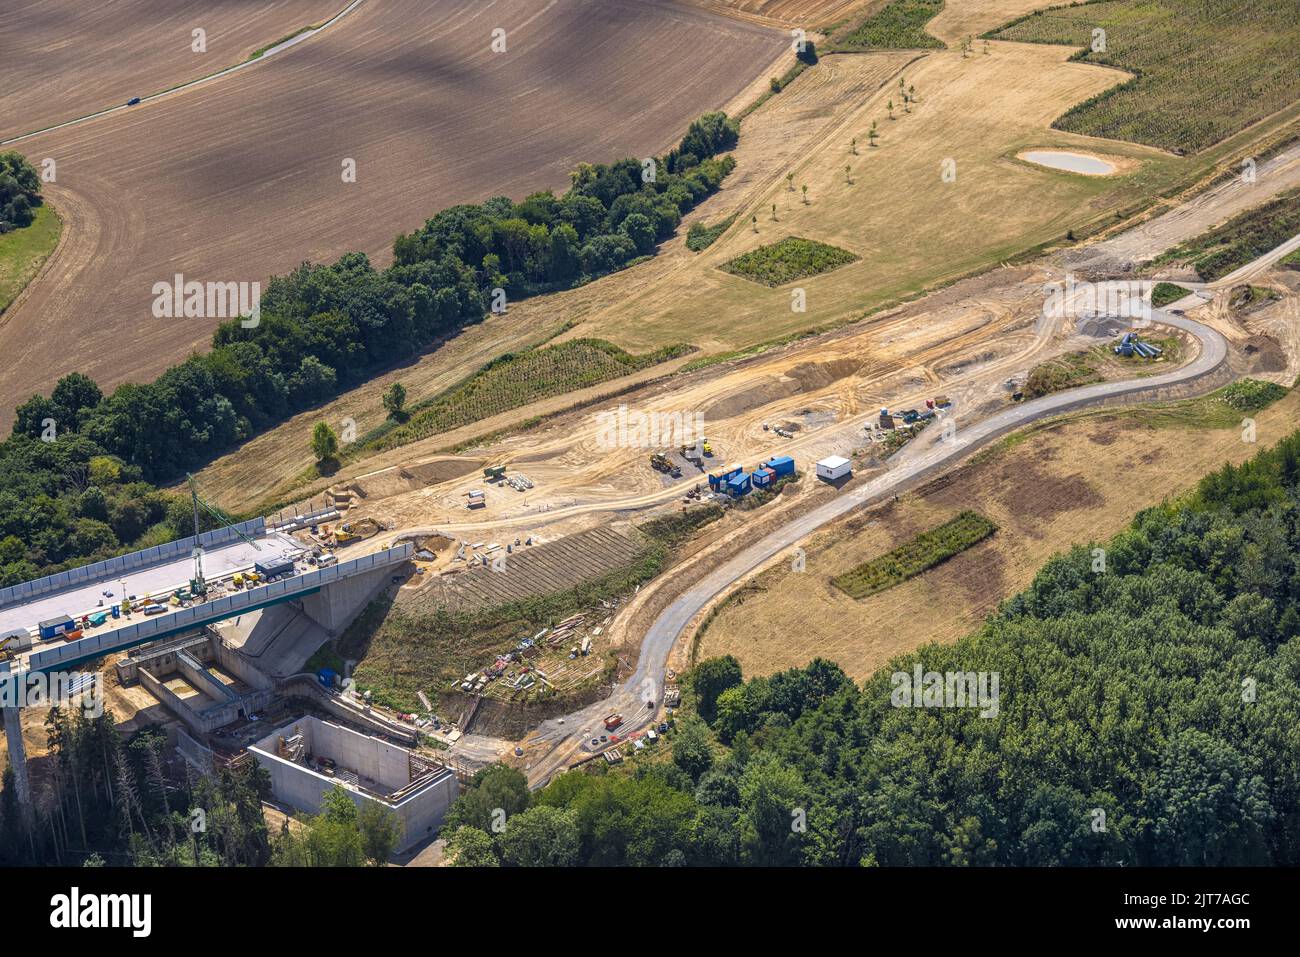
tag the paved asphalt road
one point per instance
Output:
(907, 467)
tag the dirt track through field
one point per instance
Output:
(220, 183)
(66, 58)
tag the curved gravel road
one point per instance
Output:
(908, 466)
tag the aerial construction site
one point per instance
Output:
(876, 414)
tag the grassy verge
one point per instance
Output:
(514, 380)
(1240, 240)
(24, 251)
(1166, 292)
(700, 236)
(790, 259)
(261, 51)
(1202, 71)
(899, 25)
(911, 559)
(1064, 372)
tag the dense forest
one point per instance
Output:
(105, 799)
(1148, 714)
(74, 475)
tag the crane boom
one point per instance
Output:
(198, 584)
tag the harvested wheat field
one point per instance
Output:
(807, 14)
(949, 163)
(218, 182)
(64, 59)
(1070, 482)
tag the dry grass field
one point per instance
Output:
(975, 220)
(970, 327)
(67, 58)
(1074, 481)
(242, 178)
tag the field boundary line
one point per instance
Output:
(283, 44)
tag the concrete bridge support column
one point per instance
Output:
(335, 605)
(18, 757)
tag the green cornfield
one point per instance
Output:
(898, 26)
(912, 558)
(1203, 69)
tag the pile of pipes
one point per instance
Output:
(1132, 345)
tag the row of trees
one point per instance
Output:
(20, 192)
(322, 329)
(1148, 714)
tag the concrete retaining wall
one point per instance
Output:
(420, 812)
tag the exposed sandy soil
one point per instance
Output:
(242, 178)
(1075, 482)
(64, 59)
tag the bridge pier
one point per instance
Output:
(337, 604)
(18, 757)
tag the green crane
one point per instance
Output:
(198, 583)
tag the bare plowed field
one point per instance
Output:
(242, 178)
(67, 58)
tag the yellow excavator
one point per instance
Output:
(8, 647)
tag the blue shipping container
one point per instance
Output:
(51, 627)
(763, 477)
(781, 465)
(724, 476)
(738, 484)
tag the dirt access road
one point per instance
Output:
(912, 464)
(238, 179)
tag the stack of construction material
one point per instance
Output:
(565, 629)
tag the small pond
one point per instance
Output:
(1070, 162)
